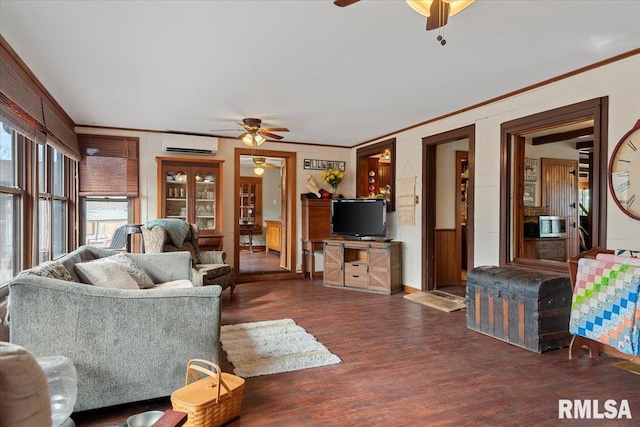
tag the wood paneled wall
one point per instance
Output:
(446, 263)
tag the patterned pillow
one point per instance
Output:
(107, 274)
(141, 278)
(51, 269)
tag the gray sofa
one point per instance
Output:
(127, 345)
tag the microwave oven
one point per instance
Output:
(545, 226)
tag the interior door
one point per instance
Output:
(560, 194)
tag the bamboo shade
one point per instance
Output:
(29, 109)
(108, 165)
(20, 107)
(60, 133)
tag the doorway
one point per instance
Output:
(571, 142)
(264, 214)
(447, 192)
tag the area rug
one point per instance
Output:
(439, 300)
(273, 346)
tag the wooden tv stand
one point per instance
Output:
(366, 265)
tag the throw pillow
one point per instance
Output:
(141, 278)
(51, 269)
(107, 274)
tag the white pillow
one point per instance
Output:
(175, 284)
(107, 274)
(141, 278)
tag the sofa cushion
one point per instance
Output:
(51, 269)
(83, 254)
(141, 278)
(107, 274)
(174, 284)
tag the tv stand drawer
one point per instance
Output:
(355, 268)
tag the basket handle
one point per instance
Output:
(191, 367)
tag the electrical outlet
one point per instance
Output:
(417, 200)
(298, 267)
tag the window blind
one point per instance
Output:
(108, 165)
(28, 108)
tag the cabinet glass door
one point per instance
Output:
(205, 194)
(176, 197)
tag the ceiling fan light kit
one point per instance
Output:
(423, 7)
(252, 139)
(436, 11)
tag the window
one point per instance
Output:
(11, 197)
(54, 170)
(101, 217)
(108, 186)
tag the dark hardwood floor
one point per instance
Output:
(403, 364)
(259, 261)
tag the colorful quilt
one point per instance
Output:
(605, 304)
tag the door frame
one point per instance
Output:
(429, 190)
(460, 156)
(289, 228)
(511, 137)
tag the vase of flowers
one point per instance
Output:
(333, 178)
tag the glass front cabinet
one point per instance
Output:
(190, 190)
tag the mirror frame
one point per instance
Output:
(362, 169)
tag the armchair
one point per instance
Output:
(209, 267)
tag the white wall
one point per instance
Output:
(447, 183)
(618, 81)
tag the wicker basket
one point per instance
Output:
(210, 400)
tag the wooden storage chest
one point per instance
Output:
(524, 308)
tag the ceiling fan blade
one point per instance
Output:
(224, 130)
(439, 15)
(275, 129)
(344, 3)
(269, 135)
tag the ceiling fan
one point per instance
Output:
(254, 134)
(436, 11)
(260, 163)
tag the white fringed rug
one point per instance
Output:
(273, 346)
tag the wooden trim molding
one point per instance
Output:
(429, 144)
(511, 132)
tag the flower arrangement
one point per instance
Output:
(332, 177)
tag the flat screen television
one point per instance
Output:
(359, 218)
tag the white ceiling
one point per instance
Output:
(332, 75)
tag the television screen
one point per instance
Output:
(361, 218)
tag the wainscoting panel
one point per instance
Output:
(447, 266)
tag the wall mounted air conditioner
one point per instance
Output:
(186, 144)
